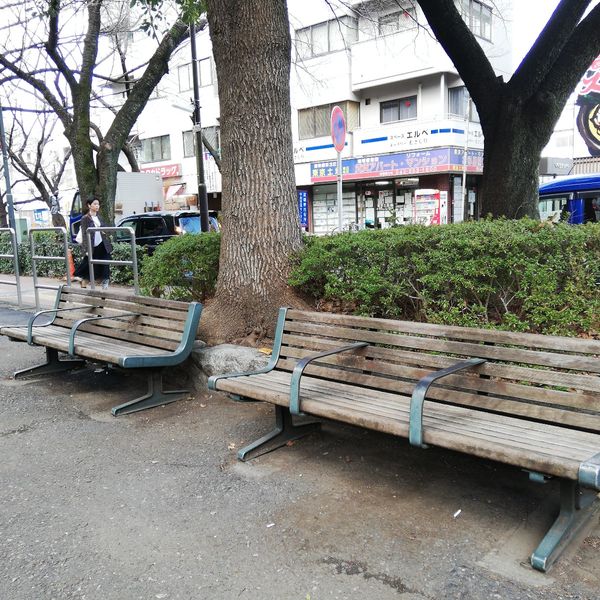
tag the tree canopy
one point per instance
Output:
(518, 116)
(53, 52)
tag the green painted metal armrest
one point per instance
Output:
(212, 380)
(302, 364)
(589, 472)
(79, 323)
(177, 356)
(49, 311)
(418, 397)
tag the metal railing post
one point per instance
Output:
(15, 259)
(132, 263)
(35, 257)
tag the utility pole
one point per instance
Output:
(9, 196)
(202, 198)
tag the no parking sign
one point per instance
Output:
(338, 128)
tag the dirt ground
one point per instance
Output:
(155, 505)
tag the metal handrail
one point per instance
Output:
(95, 261)
(15, 259)
(35, 257)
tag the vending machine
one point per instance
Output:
(430, 207)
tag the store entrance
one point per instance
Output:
(385, 203)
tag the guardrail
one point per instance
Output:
(15, 259)
(95, 261)
(34, 258)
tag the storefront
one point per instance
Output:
(422, 186)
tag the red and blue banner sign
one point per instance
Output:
(419, 162)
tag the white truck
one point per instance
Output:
(136, 193)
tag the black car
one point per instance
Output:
(153, 228)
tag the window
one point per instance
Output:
(458, 100)
(205, 72)
(478, 17)
(329, 36)
(397, 21)
(205, 75)
(184, 74)
(156, 149)
(212, 134)
(316, 121)
(398, 110)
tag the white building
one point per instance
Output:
(404, 103)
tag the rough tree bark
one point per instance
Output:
(261, 228)
(518, 116)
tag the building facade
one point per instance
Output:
(414, 148)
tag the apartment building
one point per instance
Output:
(413, 138)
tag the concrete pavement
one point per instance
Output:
(156, 505)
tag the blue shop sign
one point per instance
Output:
(418, 162)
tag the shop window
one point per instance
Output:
(156, 149)
(397, 21)
(316, 121)
(326, 37)
(401, 109)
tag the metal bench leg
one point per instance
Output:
(156, 396)
(576, 507)
(284, 432)
(52, 365)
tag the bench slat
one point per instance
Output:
(337, 366)
(391, 405)
(528, 340)
(541, 459)
(490, 402)
(542, 376)
(468, 349)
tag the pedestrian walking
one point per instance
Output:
(101, 246)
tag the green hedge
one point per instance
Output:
(183, 268)
(516, 275)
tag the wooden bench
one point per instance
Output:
(532, 401)
(131, 332)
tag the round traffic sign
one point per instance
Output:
(338, 128)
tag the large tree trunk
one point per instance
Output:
(510, 163)
(261, 228)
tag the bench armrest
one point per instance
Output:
(78, 324)
(302, 364)
(589, 472)
(212, 380)
(418, 397)
(177, 356)
(44, 312)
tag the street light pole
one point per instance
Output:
(9, 196)
(202, 198)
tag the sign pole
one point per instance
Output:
(338, 136)
(339, 192)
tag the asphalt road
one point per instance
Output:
(155, 505)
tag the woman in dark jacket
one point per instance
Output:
(102, 246)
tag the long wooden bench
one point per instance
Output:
(107, 327)
(531, 401)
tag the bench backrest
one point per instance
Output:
(160, 323)
(545, 378)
